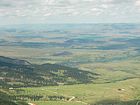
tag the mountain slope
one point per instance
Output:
(6, 60)
(19, 73)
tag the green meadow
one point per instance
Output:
(90, 94)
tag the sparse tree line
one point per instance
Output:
(40, 98)
(6, 99)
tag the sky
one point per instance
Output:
(69, 11)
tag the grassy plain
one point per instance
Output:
(124, 91)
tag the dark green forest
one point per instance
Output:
(20, 73)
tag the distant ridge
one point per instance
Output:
(13, 61)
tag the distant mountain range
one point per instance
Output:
(21, 73)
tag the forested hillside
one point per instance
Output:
(21, 73)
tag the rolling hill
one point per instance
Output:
(21, 73)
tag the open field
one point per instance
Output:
(124, 91)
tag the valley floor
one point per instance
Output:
(125, 92)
